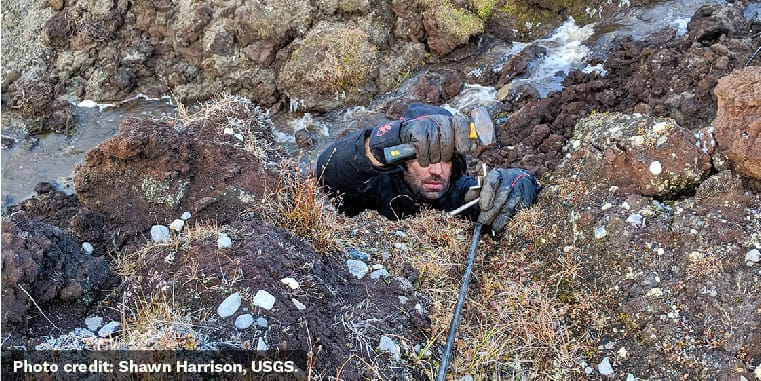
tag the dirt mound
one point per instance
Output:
(210, 166)
(50, 282)
(330, 313)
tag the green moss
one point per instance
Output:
(461, 23)
(164, 192)
(344, 53)
(484, 8)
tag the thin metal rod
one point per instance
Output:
(444, 365)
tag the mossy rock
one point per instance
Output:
(334, 65)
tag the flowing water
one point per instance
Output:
(53, 158)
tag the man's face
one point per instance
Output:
(429, 182)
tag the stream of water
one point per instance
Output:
(53, 158)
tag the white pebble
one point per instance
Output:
(752, 257)
(185, 215)
(290, 282)
(224, 241)
(604, 367)
(228, 131)
(655, 167)
(357, 268)
(177, 225)
(377, 274)
(239, 137)
(160, 233)
(93, 323)
(264, 299)
(87, 247)
(635, 219)
(630, 377)
(388, 344)
(229, 306)
(108, 329)
(244, 321)
(261, 322)
(660, 127)
(600, 232)
(606, 206)
(299, 306)
(261, 345)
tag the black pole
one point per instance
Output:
(444, 365)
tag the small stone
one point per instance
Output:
(388, 344)
(630, 377)
(93, 323)
(264, 299)
(177, 225)
(403, 299)
(606, 206)
(261, 322)
(655, 167)
(357, 268)
(604, 367)
(261, 345)
(377, 274)
(108, 329)
(290, 282)
(229, 306)
(752, 257)
(401, 246)
(239, 137)
(600, 232)
(757, 372)
(224, 241)
(160, 233)
(466, 377)
(635, 219)
(228, 131)
(87, 247)
(400, 233)
(299, 306)
(358, 254)
(588, 370)
(185, 216)
(244, 321)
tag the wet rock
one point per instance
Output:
(229, 306)
(738, 120)
(711, 22)
(448, 28)
(657, 156)
(304, 139)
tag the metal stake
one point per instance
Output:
(460, 303)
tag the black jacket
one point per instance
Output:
(345, 171)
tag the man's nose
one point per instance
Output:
(434, 168)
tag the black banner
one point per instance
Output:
(153, 365)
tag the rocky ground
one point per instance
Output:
(639, 261)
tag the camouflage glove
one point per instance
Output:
(503, 193)
(437, 137)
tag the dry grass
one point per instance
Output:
(299, 205)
